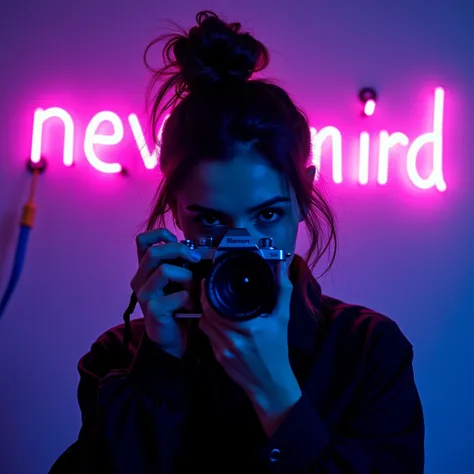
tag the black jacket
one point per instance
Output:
(146, 412)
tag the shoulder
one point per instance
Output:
(108, 351)
(360, 330)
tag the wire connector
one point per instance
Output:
(37, 167)
(29, 213)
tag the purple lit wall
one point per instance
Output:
(404, 250)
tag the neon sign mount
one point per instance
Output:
(325, 135)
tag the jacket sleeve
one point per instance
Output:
(382, 432)
(132, 419)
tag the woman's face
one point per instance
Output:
(244, 192)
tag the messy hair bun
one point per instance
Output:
(212, 52)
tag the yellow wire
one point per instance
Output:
(29, 209)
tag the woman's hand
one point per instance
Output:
(149, 282)
(255, 353)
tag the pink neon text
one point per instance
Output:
(318, 137)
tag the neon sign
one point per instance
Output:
(324, 136)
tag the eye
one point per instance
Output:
(207, 220)
(269, 216)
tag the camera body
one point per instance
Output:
(241, 275)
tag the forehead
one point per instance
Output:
(240, 183)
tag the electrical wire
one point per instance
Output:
(26, 224)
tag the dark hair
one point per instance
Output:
(215, 105)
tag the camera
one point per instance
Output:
(240, 272)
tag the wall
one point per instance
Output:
(403, 251)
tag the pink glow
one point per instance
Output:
(39, 118)
(388, 141)
(93, 138)
(364, 158)
(150, 159)
(436, 138)
(326, 142)
(369, 107)
(317, 140)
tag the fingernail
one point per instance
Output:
(195, 257)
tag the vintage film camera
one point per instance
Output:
(241, 275)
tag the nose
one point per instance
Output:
(249, 226)
(241, 224)
(220, 230)
(217, 232)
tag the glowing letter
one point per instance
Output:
(40, 116)
(369, 107)
(149, 159)
(91, 139)
(435, 137)
(317, 139)
(364, 158)
(388, 141)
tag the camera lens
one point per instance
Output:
(241, 285)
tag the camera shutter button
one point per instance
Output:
(266, 243)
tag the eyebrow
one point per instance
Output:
(259, 207)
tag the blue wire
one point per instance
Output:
(17, 266)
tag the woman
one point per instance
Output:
(316, 386)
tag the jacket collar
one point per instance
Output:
(303, 324)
